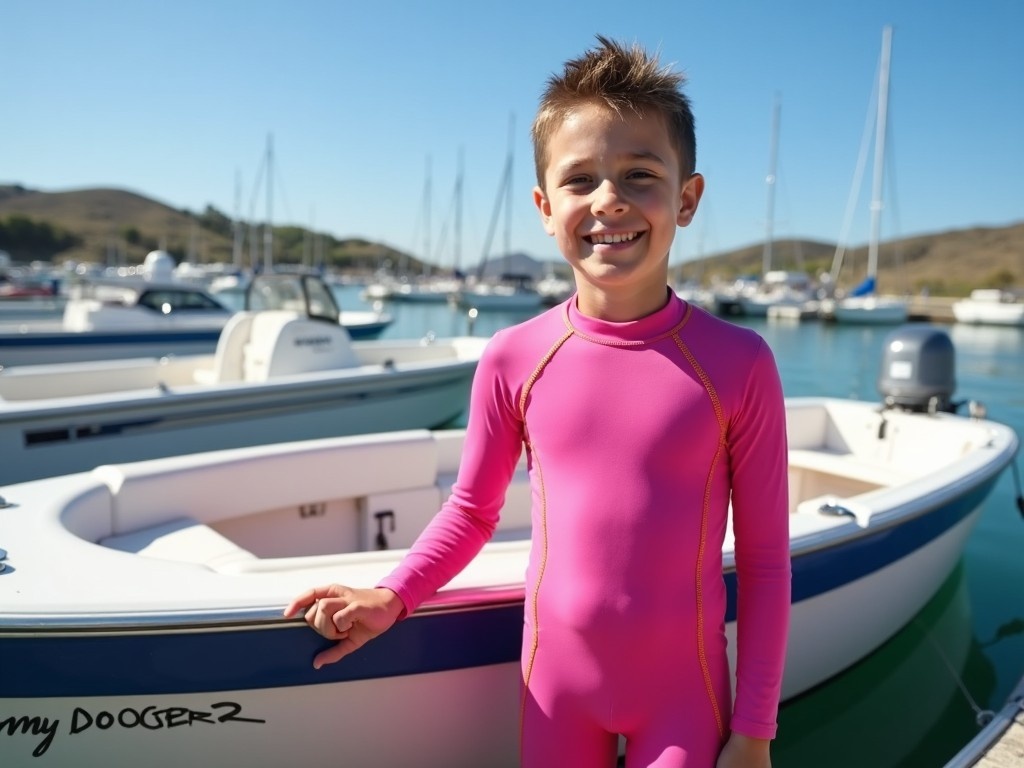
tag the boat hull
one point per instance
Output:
(37, 347)
(55, 440)
(248, 691)
(135, 652)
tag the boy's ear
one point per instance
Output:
(544, 208)
(690, 199)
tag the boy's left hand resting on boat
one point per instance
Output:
(745, 752)
(351, 617)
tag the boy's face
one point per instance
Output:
(613, 198)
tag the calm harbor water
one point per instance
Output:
(912, 703)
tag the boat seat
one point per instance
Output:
(844, 465)
(227, 360)
(184, 540)
(284, 343)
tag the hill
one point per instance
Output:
(119, 226)
(945, 264)
(116, 226)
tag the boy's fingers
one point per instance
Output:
(306, 599)
(336, 652)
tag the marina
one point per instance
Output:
(940, 653)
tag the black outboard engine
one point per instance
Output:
(918, 370)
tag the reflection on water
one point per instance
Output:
(902, 706)
(985, 338)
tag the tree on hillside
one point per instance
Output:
(26, 239)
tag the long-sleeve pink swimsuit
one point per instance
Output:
(636, 434)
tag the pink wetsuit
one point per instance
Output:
(635, 433)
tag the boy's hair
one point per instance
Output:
(622, 79)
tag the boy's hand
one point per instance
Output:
(352, 617)
(745, 752)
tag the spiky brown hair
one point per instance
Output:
(621, 78)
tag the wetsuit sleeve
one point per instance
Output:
(759, 461)
(467, 519)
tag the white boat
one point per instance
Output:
(438, 290)
(114, 320)
(990, 306)
(141, 597)
(778, 289)
(276, 374)
(864, 305)
(870, 310)
(511, 293)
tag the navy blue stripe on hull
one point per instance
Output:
(146, 663)
(826, 569)
(98, 338)
(135, 663)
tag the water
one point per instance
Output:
(912, 703)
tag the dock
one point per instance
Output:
(931, 309)
(1000, 744)
(920, 309)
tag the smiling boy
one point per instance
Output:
(643, 419)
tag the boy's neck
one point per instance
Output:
(620, 307)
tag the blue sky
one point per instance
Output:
(175, 100)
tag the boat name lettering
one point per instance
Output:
(152, 718)
(312, 341)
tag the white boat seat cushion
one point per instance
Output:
(227, 360)
(182, 539)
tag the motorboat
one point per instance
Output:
(145, 596)
(122, 318)
(276, 374)
(990, 306)
(510, 293)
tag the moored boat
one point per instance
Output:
(120, 319)
(144, 596)
(276, 374)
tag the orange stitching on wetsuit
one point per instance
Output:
(536, 372)
(534, 598)
(705, 511)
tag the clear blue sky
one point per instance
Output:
(176, 100)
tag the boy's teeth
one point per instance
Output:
(612, 238)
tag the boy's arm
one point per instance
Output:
(760, 502)
(466, 521)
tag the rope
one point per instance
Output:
(982, 717)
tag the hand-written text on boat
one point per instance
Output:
(152, 718)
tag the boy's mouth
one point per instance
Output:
(610, 238)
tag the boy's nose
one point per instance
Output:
(607, 199)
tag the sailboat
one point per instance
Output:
(864, 305)
(508, 291)
(776, 288)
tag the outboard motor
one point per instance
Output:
(918, 370)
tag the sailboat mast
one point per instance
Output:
(236, 226)
(773, 156)
(879, 168)
(268, 229)
(508, 185)
(457, 252)
(427, 194)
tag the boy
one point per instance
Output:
(642, 418)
